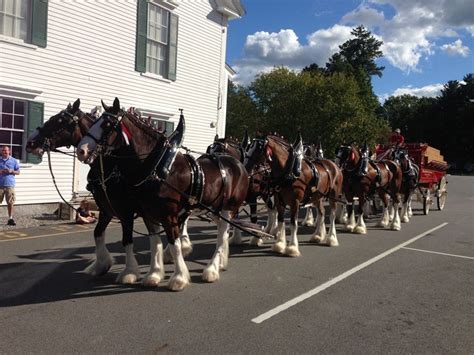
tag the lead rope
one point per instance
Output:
(54, 181)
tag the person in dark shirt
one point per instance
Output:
(84, 215)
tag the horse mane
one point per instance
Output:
(279, 139)
(146, 127)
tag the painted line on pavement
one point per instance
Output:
(267, 315)
(437, 252)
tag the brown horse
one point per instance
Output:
(168, 185)
(67, 128)
(316, 182)
(257, 185)
(387, 183)
(411, 176)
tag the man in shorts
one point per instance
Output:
(9, 167)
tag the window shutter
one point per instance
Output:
(169, 127)
(140, 47)
(173, 47)
(39, 22)
(35, 119)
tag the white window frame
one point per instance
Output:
(157, 63)
(17, 19)
(23, 131)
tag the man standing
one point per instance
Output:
(9, 167)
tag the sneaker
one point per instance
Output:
(11, 222)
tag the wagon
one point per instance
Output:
(432, 183)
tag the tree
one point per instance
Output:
(242, 111)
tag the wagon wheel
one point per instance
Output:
(426, 202)
(441, 193)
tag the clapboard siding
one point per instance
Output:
(90, 55)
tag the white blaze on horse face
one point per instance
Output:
(87, 145)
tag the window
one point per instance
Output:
(163, 126)
(157, 35)
(157, 40)
(12, 125)
(14, 18)
(25, 20)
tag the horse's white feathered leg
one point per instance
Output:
(360, 227)
(186, 245)
(309, 218)
(351, 222)
(385, 218)
(331, 238)
(396, 225)
(292, 248)
(131, 273)
(320, 230)
(157, 270)
(180, 278)
(236, 238)
(221, 255)
(103, 260)
(280, 244)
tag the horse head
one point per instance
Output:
(103, 134)
(63, 129)
(257, 152)
(347, 155)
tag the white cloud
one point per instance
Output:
(264, 50)
(432, 90)
(409, 36)
(456, 48)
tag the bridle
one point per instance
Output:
(343, 162)
(254, 152)
(72, 123)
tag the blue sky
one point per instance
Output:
(426, 42)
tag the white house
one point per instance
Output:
(155, 55)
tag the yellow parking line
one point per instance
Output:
(62, 230)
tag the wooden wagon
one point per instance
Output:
(432, 183)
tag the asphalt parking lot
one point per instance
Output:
(391, 292)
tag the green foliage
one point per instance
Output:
(444, 122)
(325, 108)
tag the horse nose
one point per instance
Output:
(81, 154)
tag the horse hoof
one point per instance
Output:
(360, 230)
(405, 219)
(177, 283)
(333, 243)
(292, 251)
(151, 280)
(349, 228)
(99, 269)
(128, 278)
(315, 239)
(395, 227)
(257, 242)
(279, 247)
(210, 275)
(382, 224)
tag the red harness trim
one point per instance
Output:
(126, 132)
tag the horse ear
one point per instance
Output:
(106, 108)
(76, 105)
(116, 104)
(245, 141)
(69, 107)
(177, 137)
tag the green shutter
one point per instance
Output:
(173, 47)
(39, 22)
(35, 119)
(140, 47)
(169, 127)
